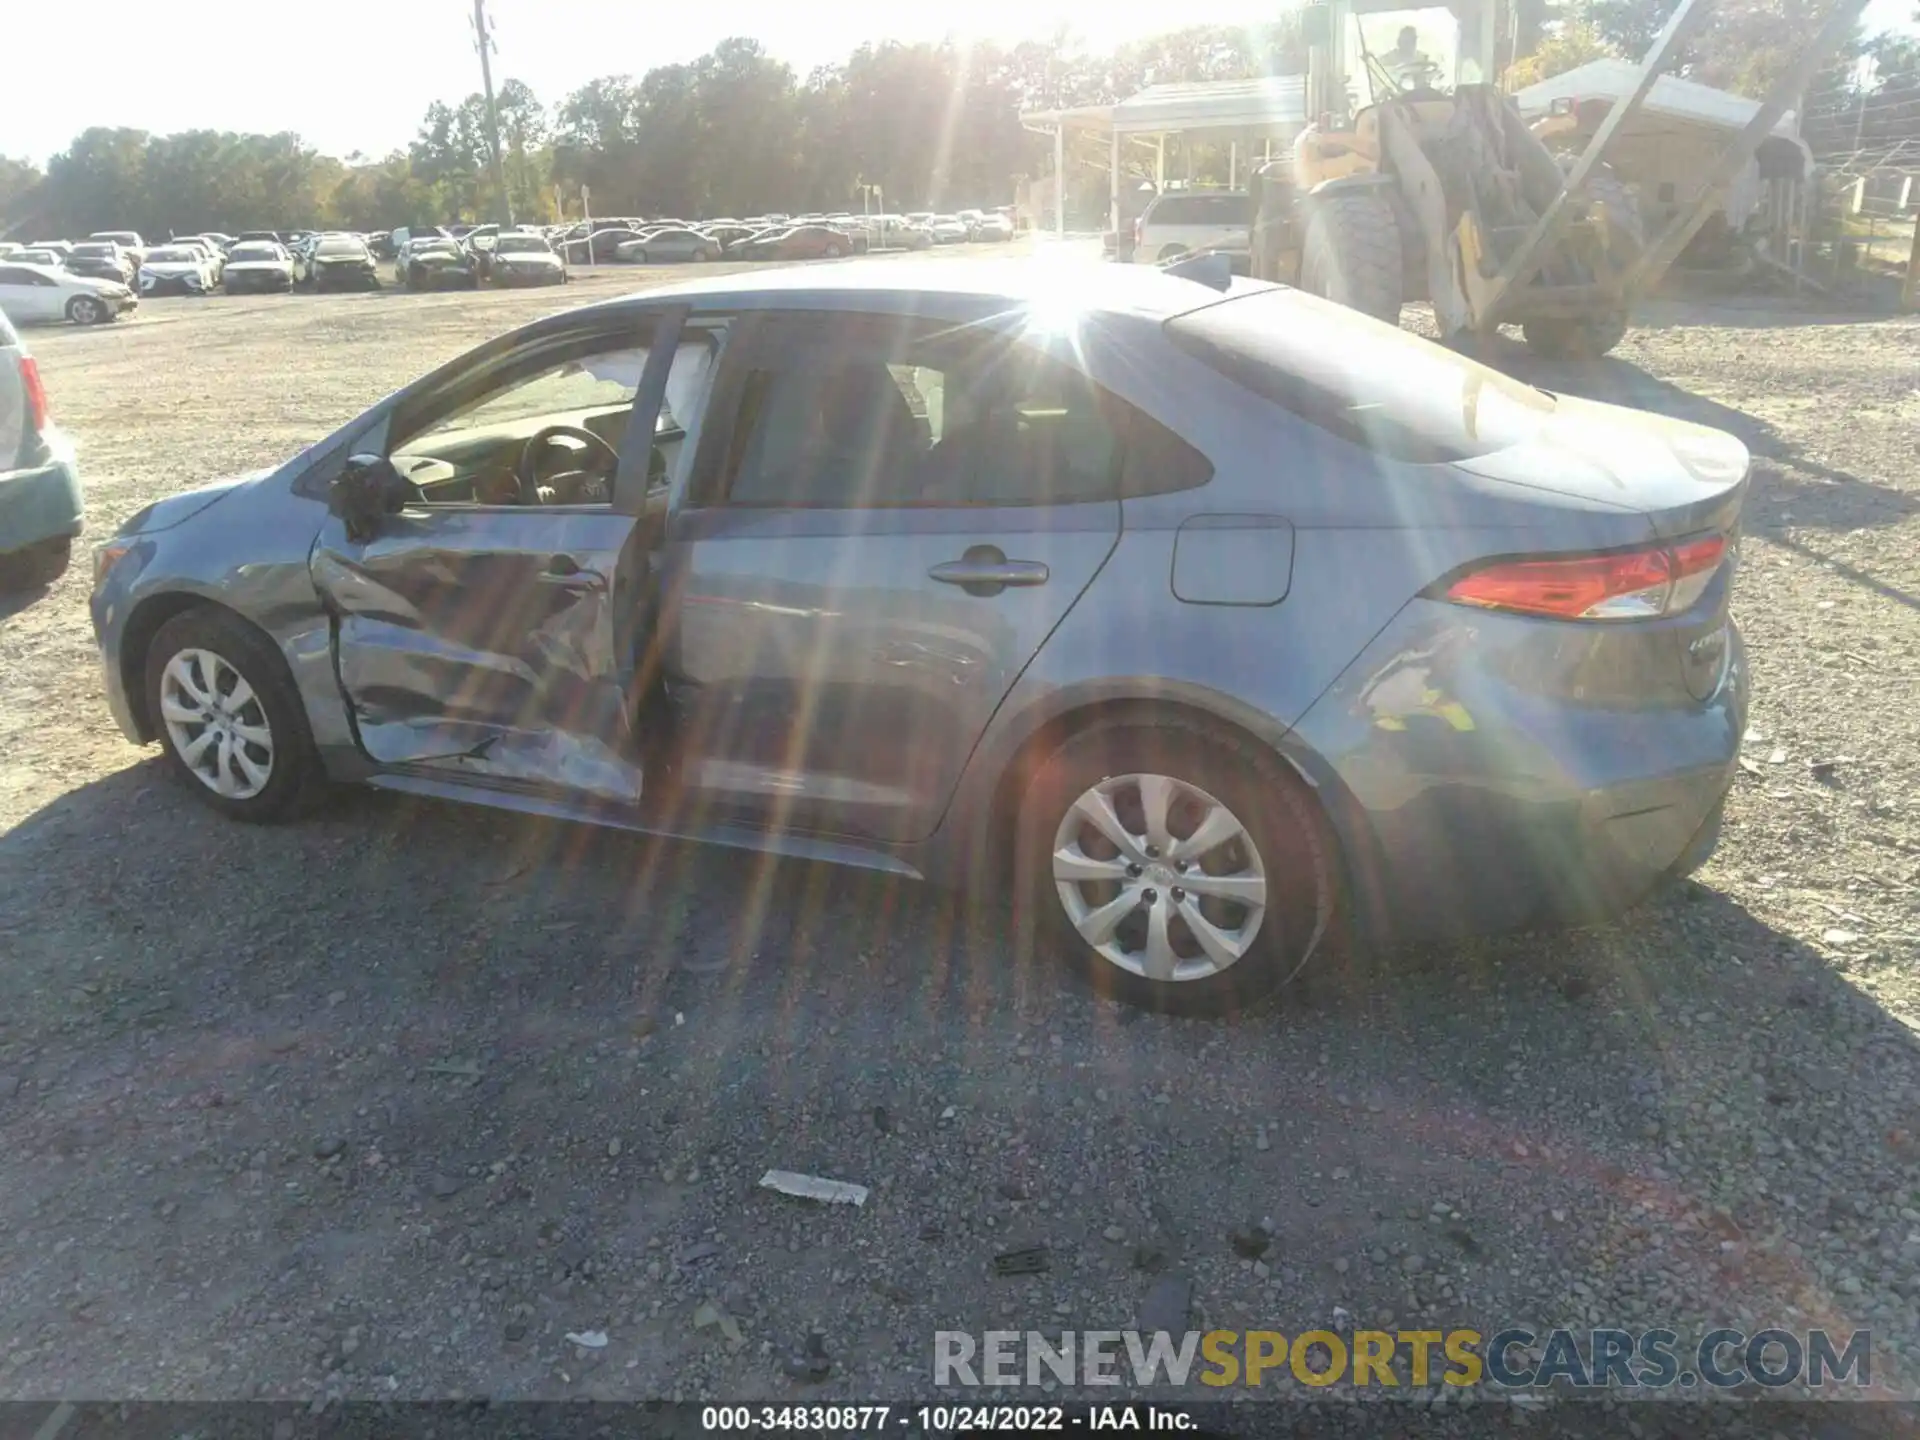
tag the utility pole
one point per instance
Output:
(483, 42)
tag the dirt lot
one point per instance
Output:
(389, 1102)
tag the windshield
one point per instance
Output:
(173, 254)
(522, 245)
(255, 252)
(1380, 387)
(93, 250)
(1404, 50)
(341, 248)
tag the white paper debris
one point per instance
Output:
(812, 1187)
(588, 1339)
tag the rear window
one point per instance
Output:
(1378, 386)
(1201, 210)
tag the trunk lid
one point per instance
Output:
(1685, 478)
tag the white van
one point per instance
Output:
(1184, 220)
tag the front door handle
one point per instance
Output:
(984, 570)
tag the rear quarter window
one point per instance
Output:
(1377, 386)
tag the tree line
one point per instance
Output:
(737, 131)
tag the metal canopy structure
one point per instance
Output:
(1273, 108)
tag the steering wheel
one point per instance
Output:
(590, 482)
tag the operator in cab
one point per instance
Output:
(1406, 62)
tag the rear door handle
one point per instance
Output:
(983, 570)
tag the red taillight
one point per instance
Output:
(1631, 586)
(36, 395)
(1139, 227)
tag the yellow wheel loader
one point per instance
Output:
(1416, 180)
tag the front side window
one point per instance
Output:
(593, 383)
(926, 416)
(477, 438)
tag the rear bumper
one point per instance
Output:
(1471, 802)
(40, 504)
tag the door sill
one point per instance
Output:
(532, 800)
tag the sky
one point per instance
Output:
(356, 75)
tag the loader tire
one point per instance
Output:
(1626, 231)
(1591, 336)
(1352, 254)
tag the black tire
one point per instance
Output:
(294, 775)
(833, 252)
(1588, 337)
(33, 567)
(1279, 818)
(1169, 252)
(1351, 254)
(86, 310)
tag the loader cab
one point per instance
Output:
(1362, 53)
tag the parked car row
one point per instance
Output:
(105, 275)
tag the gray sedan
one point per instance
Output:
(1201, 620)
(669, 245)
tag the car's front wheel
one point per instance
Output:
(1177, 868)
(85, 310)
(229, 717)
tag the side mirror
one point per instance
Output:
(365, 492)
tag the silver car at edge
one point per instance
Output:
(1197, 620)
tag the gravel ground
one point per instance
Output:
(389, 1102)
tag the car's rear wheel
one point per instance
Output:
(833, 252)
(85, 310)
(32, 566)
(230, 718)
(1177, 868)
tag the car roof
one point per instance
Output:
(907, 285)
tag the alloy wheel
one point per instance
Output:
(1159, 877)
(216, 724)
